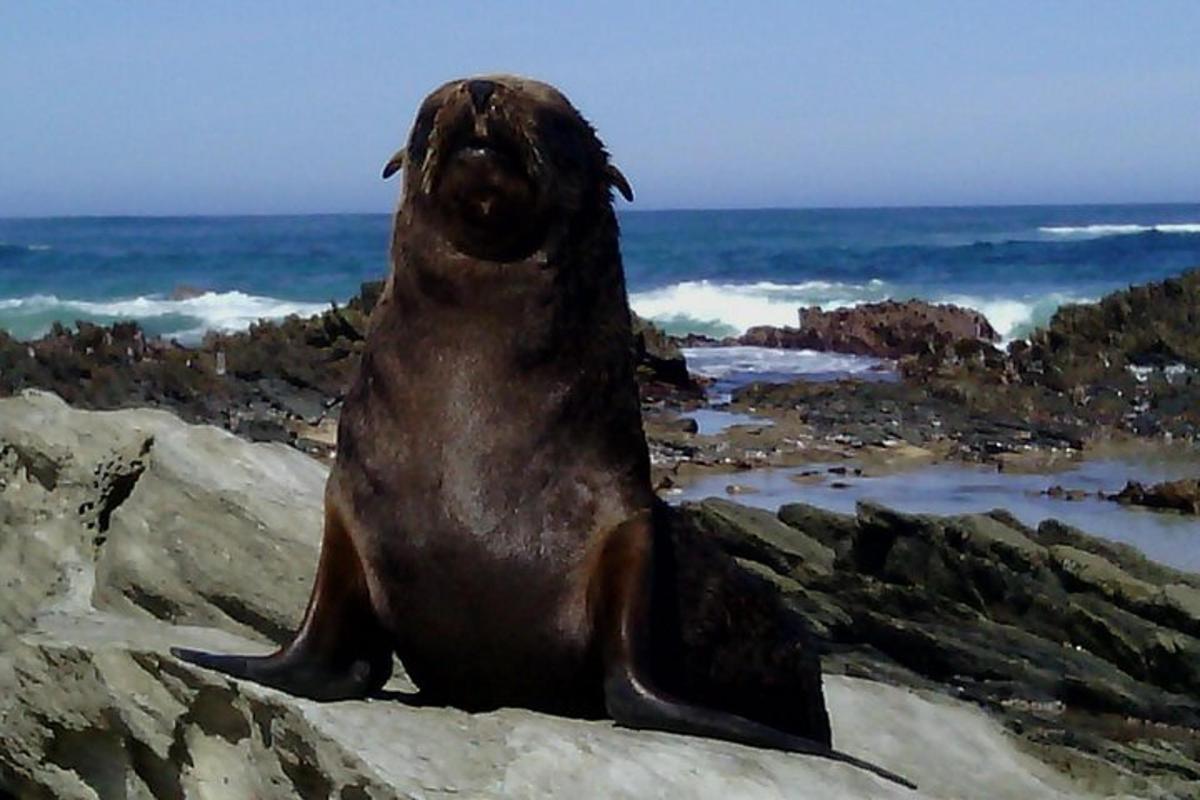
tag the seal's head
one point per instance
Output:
(496, 163)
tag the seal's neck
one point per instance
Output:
(567, 300)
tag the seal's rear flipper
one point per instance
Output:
(620, 599)
(340, 652)
(288, 672)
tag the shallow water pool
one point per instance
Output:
(1170, 538)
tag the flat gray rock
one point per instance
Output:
(93, 706)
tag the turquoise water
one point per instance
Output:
(715, 272)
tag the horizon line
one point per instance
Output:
(620, 209)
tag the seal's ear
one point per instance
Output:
(615, 178)
(393, 166)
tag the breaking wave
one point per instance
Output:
(728, 309)
(1092, 231)
(186, 319)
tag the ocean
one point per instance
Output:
(712, 272)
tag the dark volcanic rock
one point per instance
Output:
(699, 340)
(722, 631)
(1127, 363)
(1073, 640)
(871, 413)
(257, 382)
(1155, 325)
(662, 369)
(887, 330)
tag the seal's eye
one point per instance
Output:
(418, 142)
(563, 140)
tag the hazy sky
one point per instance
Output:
(268, 107)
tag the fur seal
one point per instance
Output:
(490, 518)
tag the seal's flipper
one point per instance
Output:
(620, 599)
(340, 652)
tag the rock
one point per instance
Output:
(682, 425)
(125, 533)
(698, 340)
(1180, 495)
(100, 709)
(1153, 325)
(368, 295)
(139, 514)
(886, 330)
(1070, 495)
(835, 531)
(1081, 570)
(1084, 647)
(661, 366)
(760, 536)
(1129, 363)
(909, 418)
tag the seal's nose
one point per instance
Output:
(481, 92)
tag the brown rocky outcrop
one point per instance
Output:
(891, 329)
(1182, 495)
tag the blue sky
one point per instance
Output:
(270, 107)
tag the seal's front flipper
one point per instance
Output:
(620, 600)
(340, 652)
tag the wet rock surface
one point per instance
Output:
(124, 533)
(862, 413)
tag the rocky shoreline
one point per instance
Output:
(1122, 369)
(975, 655)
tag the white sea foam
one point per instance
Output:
(1015, 318)
(723, 362)
(722, 309)
(33, 248)
(1085, 231)
(184, 319)
(223, 311)
(1174, 373)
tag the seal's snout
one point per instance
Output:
(498, 161)
(481, 91)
